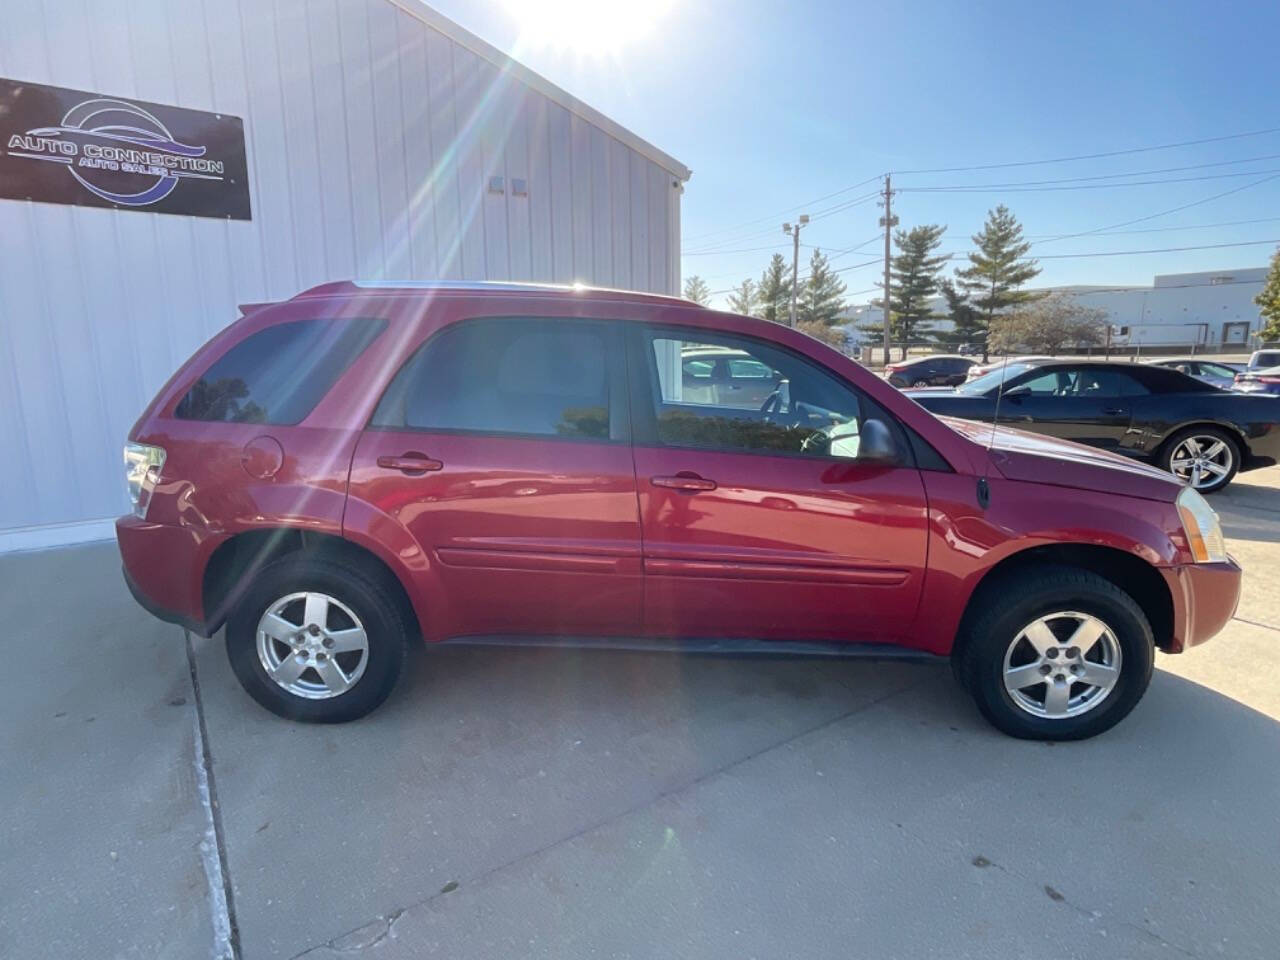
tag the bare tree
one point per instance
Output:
(1049, 324)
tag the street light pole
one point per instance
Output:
(794, 233)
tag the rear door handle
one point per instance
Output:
(685, 482)
(414, 464)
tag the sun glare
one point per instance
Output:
(589, 27)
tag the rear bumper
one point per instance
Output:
(162, 568)
(1205, 596)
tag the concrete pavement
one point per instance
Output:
(554, 803)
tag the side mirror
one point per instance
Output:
(876, 444)
(1017, 393)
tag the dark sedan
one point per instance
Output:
(938, 370)
(1199, 433)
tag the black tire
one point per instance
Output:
(921, 383)
(1008, 606)
(1165, 459)
(379, 613)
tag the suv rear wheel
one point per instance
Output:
(1068, 658)
(316, 640)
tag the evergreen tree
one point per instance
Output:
(822, 298)
(914, 282)
(997, 271)
(1268, 302)
(696, 289)
(774, 291)
(967, 327)
(745, 298)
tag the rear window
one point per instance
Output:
(1265, 358)
(278, 374)
(530, 377)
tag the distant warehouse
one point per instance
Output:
(162, 163)
(1213, 310)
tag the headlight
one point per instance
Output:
(1204, 532)
(142, 464)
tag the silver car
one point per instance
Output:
(1214, 372)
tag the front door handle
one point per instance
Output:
(413, 463)
(1114, 411)
(685, 482)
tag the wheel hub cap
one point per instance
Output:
(1202, 461)
(1062, 665)
(312, 645)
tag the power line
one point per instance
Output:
(1113, 176)
(770, 231)
(1162, 213)
(1190, 226)
(1129, 253)
(787, 211)
(1093, 156)
(802, 280)
(1023, 188)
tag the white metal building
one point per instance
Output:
(1211, 310)
(380, 140)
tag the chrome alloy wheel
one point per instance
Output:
(1062, 665)
(1202, 461)
(312, 645)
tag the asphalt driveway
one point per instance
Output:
(562, 804)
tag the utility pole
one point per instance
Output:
(888, 221)
(794, 233)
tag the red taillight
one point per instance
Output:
(1268, 379)
(892, 368)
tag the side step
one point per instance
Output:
(711, 647)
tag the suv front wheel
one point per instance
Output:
(316, 640)
(1066, 659)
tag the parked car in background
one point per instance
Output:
(337, 475)
(1200, 434)
(982, 369)
(936, 370)
(729, 378)
(1263, 360)
(1213, 372)
(1265, 381)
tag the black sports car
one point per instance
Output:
(1201, 434)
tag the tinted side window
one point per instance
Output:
(535, 377)
(1099, 382)
(278, 374)
(792, 407)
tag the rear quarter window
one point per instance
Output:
(278, 374)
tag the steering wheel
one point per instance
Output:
(772, 404)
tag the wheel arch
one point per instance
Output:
(1225, 426)
(231, 567)
(1130, 573)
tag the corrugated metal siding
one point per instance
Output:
(372, 138)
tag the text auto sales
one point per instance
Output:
(106, 157)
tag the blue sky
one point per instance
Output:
(773, 105)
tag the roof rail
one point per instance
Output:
(352, 288)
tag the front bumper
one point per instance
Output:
(162, 567)
(1205, 596)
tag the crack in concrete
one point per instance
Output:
(1054, 894)
(1255, 623)
(213, 851)
(390, 918)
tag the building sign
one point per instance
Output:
(70, 146)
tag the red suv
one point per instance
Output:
(366, 464)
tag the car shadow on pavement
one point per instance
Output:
(1250, 506)
(489, 766)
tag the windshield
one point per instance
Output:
(989, 381)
